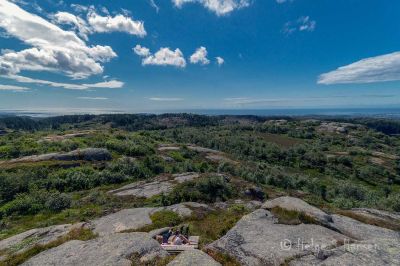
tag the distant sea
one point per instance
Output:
(352, 112)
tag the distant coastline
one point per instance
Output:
(352, 112)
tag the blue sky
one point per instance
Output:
(160, 55)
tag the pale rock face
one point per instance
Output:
(371, 252)
(158, 186)
(115, 249)
(295, 204)
(133, 219)
(258, 239)
(193, 257)
(21, 242)
(89, 154)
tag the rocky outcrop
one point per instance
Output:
(180, 178)
(90, 154)
(258, 240)
(360, 231)
(390, 220)
(336, 127)
(115, 249)
(149, 189)
(201, 149)
(28, 239)
(193, 257)
(372, 252)
(295, 204)
(143, 189)
(55, 138)
(133, 219)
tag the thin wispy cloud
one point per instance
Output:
(93, 98)
(113, 84)
(304, 23)
(154, 5)
(219, 7)
(374, 69)
(13, 88)
(160, 99)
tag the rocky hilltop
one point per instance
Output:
(283, 231)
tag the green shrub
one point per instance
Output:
(206, 189)
(57, 202)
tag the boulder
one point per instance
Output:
(360, 231)
(115, 249)
(372, 252)
(158, 186)
(127, 219)
(258, 240)
(255, 193)
(193, 257)
(21, 242)
(144, 190)
(133, 219)
(295, 204)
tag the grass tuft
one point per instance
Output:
(292, 217)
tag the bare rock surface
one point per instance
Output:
(180, 178)
(193, 257)
(133, 219)
(360, 231)
(143, 189)
(21, 242)
(115, 249)
(257, 239)
(372, 252)
(55, 138)
(158, 186)
(89, 154)
(390, 217)
(201, 149)
(295, 204)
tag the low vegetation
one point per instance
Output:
(358, 166)
(292, 217)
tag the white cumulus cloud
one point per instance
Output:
(200, 56)
(141, 51)
(219, 7)
(373, 69)
(220, 60)
(52, 49)
(118, 23)
(163, 57)
(78, 23)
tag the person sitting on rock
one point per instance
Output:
(166, 236)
